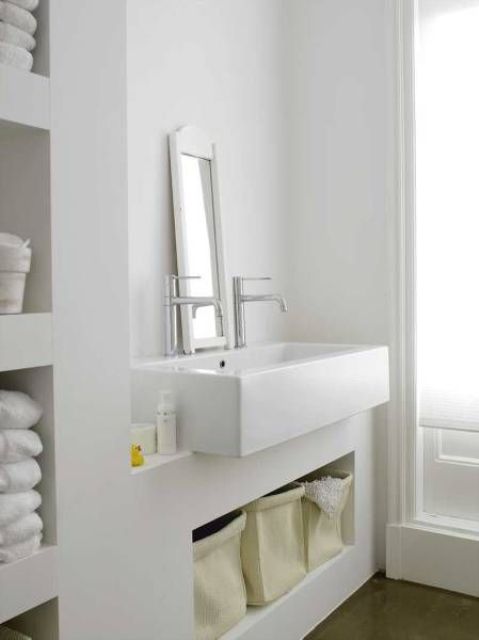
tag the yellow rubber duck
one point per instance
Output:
(137, 457)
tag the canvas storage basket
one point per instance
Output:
(219, 590)
(322, 532)
(15, 258)
(272, 545)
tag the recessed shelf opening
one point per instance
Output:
(25, 205)
(257, 614)
(38, 623)
(38, 383)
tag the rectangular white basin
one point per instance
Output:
(241, 401)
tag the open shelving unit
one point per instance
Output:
(27, 583)
(29, 587)
(24, 99)
(25, 341)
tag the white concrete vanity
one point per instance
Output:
(238, 402)
(310, 391)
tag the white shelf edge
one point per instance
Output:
(26, 341)
(24, 98)
(27, 583)
(255, 615)
(156, 460)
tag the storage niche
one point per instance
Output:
(39, 623)
(267, 550)
(38, 383)
(25, 205)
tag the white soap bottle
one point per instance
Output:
(166, 423)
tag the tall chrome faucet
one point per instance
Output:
(173, 301)
(239, 301)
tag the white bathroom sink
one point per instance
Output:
(241, 401)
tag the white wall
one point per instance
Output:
(341, 121)
(217, 65)
(298, 96)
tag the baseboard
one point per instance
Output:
(443, 559)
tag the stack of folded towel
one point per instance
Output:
(20, 527)
(17, 27)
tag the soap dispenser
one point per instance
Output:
(166, 423)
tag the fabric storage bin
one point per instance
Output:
(10, 634)
(272, 545)
(322, 531)
(219, 589)
(15, 258)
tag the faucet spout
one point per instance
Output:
(240, 298)
(269, 297)
(209, 302)
(173, 301)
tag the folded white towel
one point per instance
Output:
(19, 444)
(12, 35)
(14, 506)
(20, 550)
(18, 411)
(326, 492)
(15, 57)
(29, 5)
(21, 476)
(12, 14)
(21, 530)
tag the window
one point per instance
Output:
(447, 254)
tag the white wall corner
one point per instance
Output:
(394, 551)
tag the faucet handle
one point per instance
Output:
(175, 277)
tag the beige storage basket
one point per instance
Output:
(272, 545)
(219, 590)
(322, 532)
(14, 267)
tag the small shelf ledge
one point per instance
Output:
(258, 615)
(158, 460)
(27, 583)
(24, 98)
(25, 341)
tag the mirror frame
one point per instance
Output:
(194, 142)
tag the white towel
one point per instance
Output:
(15, 57)
(21, 530)
(20, 550)
(18, 411)
(16, 477)
(19, 444)
(326, 492)
(17, 16)
(12, 35)
(14, 506)
(29, 5)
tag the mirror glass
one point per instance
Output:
(200, 242)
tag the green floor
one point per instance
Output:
(391, 610)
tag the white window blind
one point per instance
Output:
(447, 210)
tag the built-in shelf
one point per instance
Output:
(24, 98)
(158, 460)
(27, 583)
(257, 615)
(25, 341)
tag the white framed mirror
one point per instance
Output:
(199, 239)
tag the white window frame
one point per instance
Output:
(405, 443)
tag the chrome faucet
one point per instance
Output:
(173, 301)
(239, 301)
